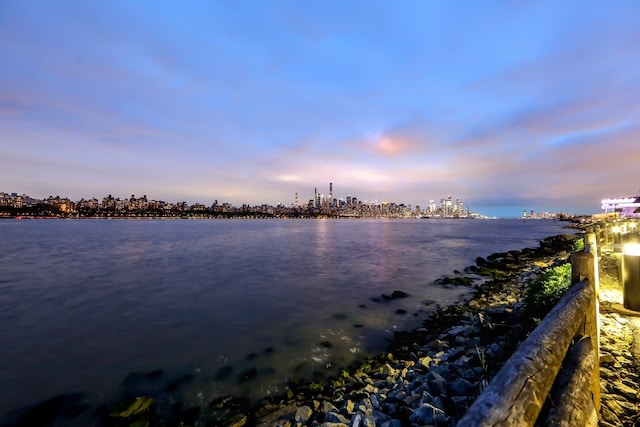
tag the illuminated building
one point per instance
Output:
(625, 207)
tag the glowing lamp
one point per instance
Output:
(631, 276)
(632, 249)
(617, 239)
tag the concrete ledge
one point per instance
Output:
(619, 308)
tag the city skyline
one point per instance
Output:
(13, 204)
(319, 204)
(511, 107)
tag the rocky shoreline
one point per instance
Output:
(428, 376)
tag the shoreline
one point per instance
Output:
(232, 216)
(442, 365)
(432, 374)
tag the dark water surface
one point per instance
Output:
(84, 303)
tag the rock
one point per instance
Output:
(274, 414)
(609, 416)
(454, 353)
(425, 361)
(230, 411)
(612, 404)
(438, 386)
(336, 418)
(456, 281)
(456, 330)
(438, 345)
(630, 409)
(303, 414)
(485, 322)
(348, 407)
(494, 351)
(427, 414)
(239, 420)
(461, 387)
(328, 407)
(607, 360)
(395, 295)
(481, 261)
(628, 392)
(130, 409)
(399, 294)
(368, 421)
(618, 405)
(375, 403)
(606, 373)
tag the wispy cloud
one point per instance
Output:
(531, 103)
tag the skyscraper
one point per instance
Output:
(331, 201)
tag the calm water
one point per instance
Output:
(84, 303)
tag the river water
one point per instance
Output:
(84, 303)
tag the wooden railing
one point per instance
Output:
(558, 363)
(612, 235)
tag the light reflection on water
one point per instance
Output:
(84, 303)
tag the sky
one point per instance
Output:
(506, 105)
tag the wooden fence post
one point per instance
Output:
(572, 402)
(583, 267)
(591, 246)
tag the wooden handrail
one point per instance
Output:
(517, 393)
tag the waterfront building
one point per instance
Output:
(459, 209)
(625, 207)
(108, 203)
(432, 207)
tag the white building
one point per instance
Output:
(626, 207)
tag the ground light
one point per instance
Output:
(616, 239)
(630, 266)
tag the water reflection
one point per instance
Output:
(85, 303)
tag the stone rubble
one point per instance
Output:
(619, 373)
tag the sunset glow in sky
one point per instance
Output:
(509, 106)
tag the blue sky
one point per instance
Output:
(509, 106)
